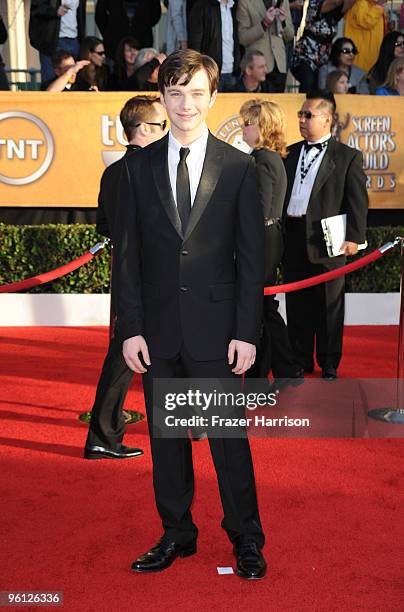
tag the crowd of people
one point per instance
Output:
(254, 42)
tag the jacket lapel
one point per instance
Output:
(326, 167)
(159, 165)
(290, 167)
(211, 171)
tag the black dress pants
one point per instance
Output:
(173, 475)
(274, 352)
(316, 314)
(107, 425)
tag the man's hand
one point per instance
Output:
(349, 248)
(80, 64)
(245, 355)
(281, 14)
(131, 349)
(62, 10)
(73, 70)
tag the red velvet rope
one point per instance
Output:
(326, 276)
(40, 279)
(47, 276)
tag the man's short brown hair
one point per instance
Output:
(186, 63)
(138, 109)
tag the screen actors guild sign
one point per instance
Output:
(374, 136)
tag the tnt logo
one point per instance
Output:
(26, 148)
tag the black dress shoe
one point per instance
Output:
(162, 556)
(329, 373)
(121, 452)
(251, 564)
(291, 381)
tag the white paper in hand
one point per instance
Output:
(334, 229)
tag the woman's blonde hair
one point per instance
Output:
(395, 68)
(270, 120)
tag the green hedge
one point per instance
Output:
(27, 250)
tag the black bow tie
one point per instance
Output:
(317, 145)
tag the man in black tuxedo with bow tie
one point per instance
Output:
(190, 275)
(325, 178)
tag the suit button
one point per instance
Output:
(183, 289)
(184, 252)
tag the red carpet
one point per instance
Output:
(330, 508)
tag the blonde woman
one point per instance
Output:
(264, 130)
(394, 83)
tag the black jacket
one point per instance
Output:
(200, 289)
(272, 182)
(114, 24)
(205, 32)
(3, 32)
(109, 192)
(44, 24)
(263, 87)
(340, 187)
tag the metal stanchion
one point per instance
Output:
(390, 414)
(130, 416)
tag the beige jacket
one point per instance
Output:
(252, 35)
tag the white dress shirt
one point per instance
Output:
(194, 161)
(68, 23)
(301, 190)
(227, 37)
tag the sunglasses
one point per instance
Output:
(399, 44)
(100, 53)
(162, 125)
(308, 114)
(349, 51)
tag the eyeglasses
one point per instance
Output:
(100, 53)
(399, 44)
(349, 51)
(163, 124)
(308, 114)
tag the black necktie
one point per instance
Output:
(183, 189)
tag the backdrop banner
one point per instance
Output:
(54, 147)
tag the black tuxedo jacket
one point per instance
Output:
(107, 197)
(202, 288)
(340, 187)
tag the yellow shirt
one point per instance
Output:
(364, 23)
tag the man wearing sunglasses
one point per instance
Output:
(144, 121)
(325, 178)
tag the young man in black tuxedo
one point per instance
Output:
(144, 121)
(325, 178)
(190, 276)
